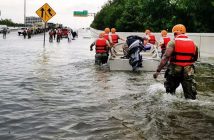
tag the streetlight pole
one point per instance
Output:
(25, 13)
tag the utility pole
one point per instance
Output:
(25, 13)
(92, 14)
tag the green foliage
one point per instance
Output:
(138, 15)
(9, 22)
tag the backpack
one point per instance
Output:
(133, 38)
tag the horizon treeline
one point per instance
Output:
(138, 15)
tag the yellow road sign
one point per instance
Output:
(45, 12)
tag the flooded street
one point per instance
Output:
(57, 93)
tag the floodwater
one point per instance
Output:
(57, 93)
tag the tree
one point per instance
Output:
(138, 15)
(9, 22)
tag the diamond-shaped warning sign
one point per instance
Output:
(45, 12)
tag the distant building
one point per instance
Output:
(51, 25)
(32, 20)
(58, 25)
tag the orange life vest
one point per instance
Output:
(165, 41)
(114, 38)
(106, 36)
(184, 51)
(101, 46)
(152, 39)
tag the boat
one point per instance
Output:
(150, 59)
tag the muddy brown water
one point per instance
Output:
(56, 93)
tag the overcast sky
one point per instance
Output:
(14, 9)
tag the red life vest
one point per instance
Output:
(106, 36)
(50, 33)
(58, 32)
(152, 39)
(165, 41)
(184, 51)
(101, 46)
(114, 38)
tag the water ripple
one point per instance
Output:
(56, 93)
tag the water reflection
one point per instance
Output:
(42, 70)
(102, 77)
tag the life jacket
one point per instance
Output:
(152, 39)
(51, 33)
(101, 46)
(106, 36)
(184, 52)
(165, 41)
(114, 38)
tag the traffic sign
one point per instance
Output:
(83, 13)
(45, 12)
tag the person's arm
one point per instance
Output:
(108, 44)
(91, 47)
(165, 58)
(196, 53)
(161, 42)
(110, 40)
(121, 38)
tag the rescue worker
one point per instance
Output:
(25, 33)
(29, 33)
(51, 34)
(102, 45)
(107, 35)
(4, 33)
(58, 35)
(69, 35)
(115, 37)
(150, 36)
(163, 41)
(54, 33)
(181, 54)
(74, 34)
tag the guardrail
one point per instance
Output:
(205, 41)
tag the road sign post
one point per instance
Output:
(45, 13)
(44, 34)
